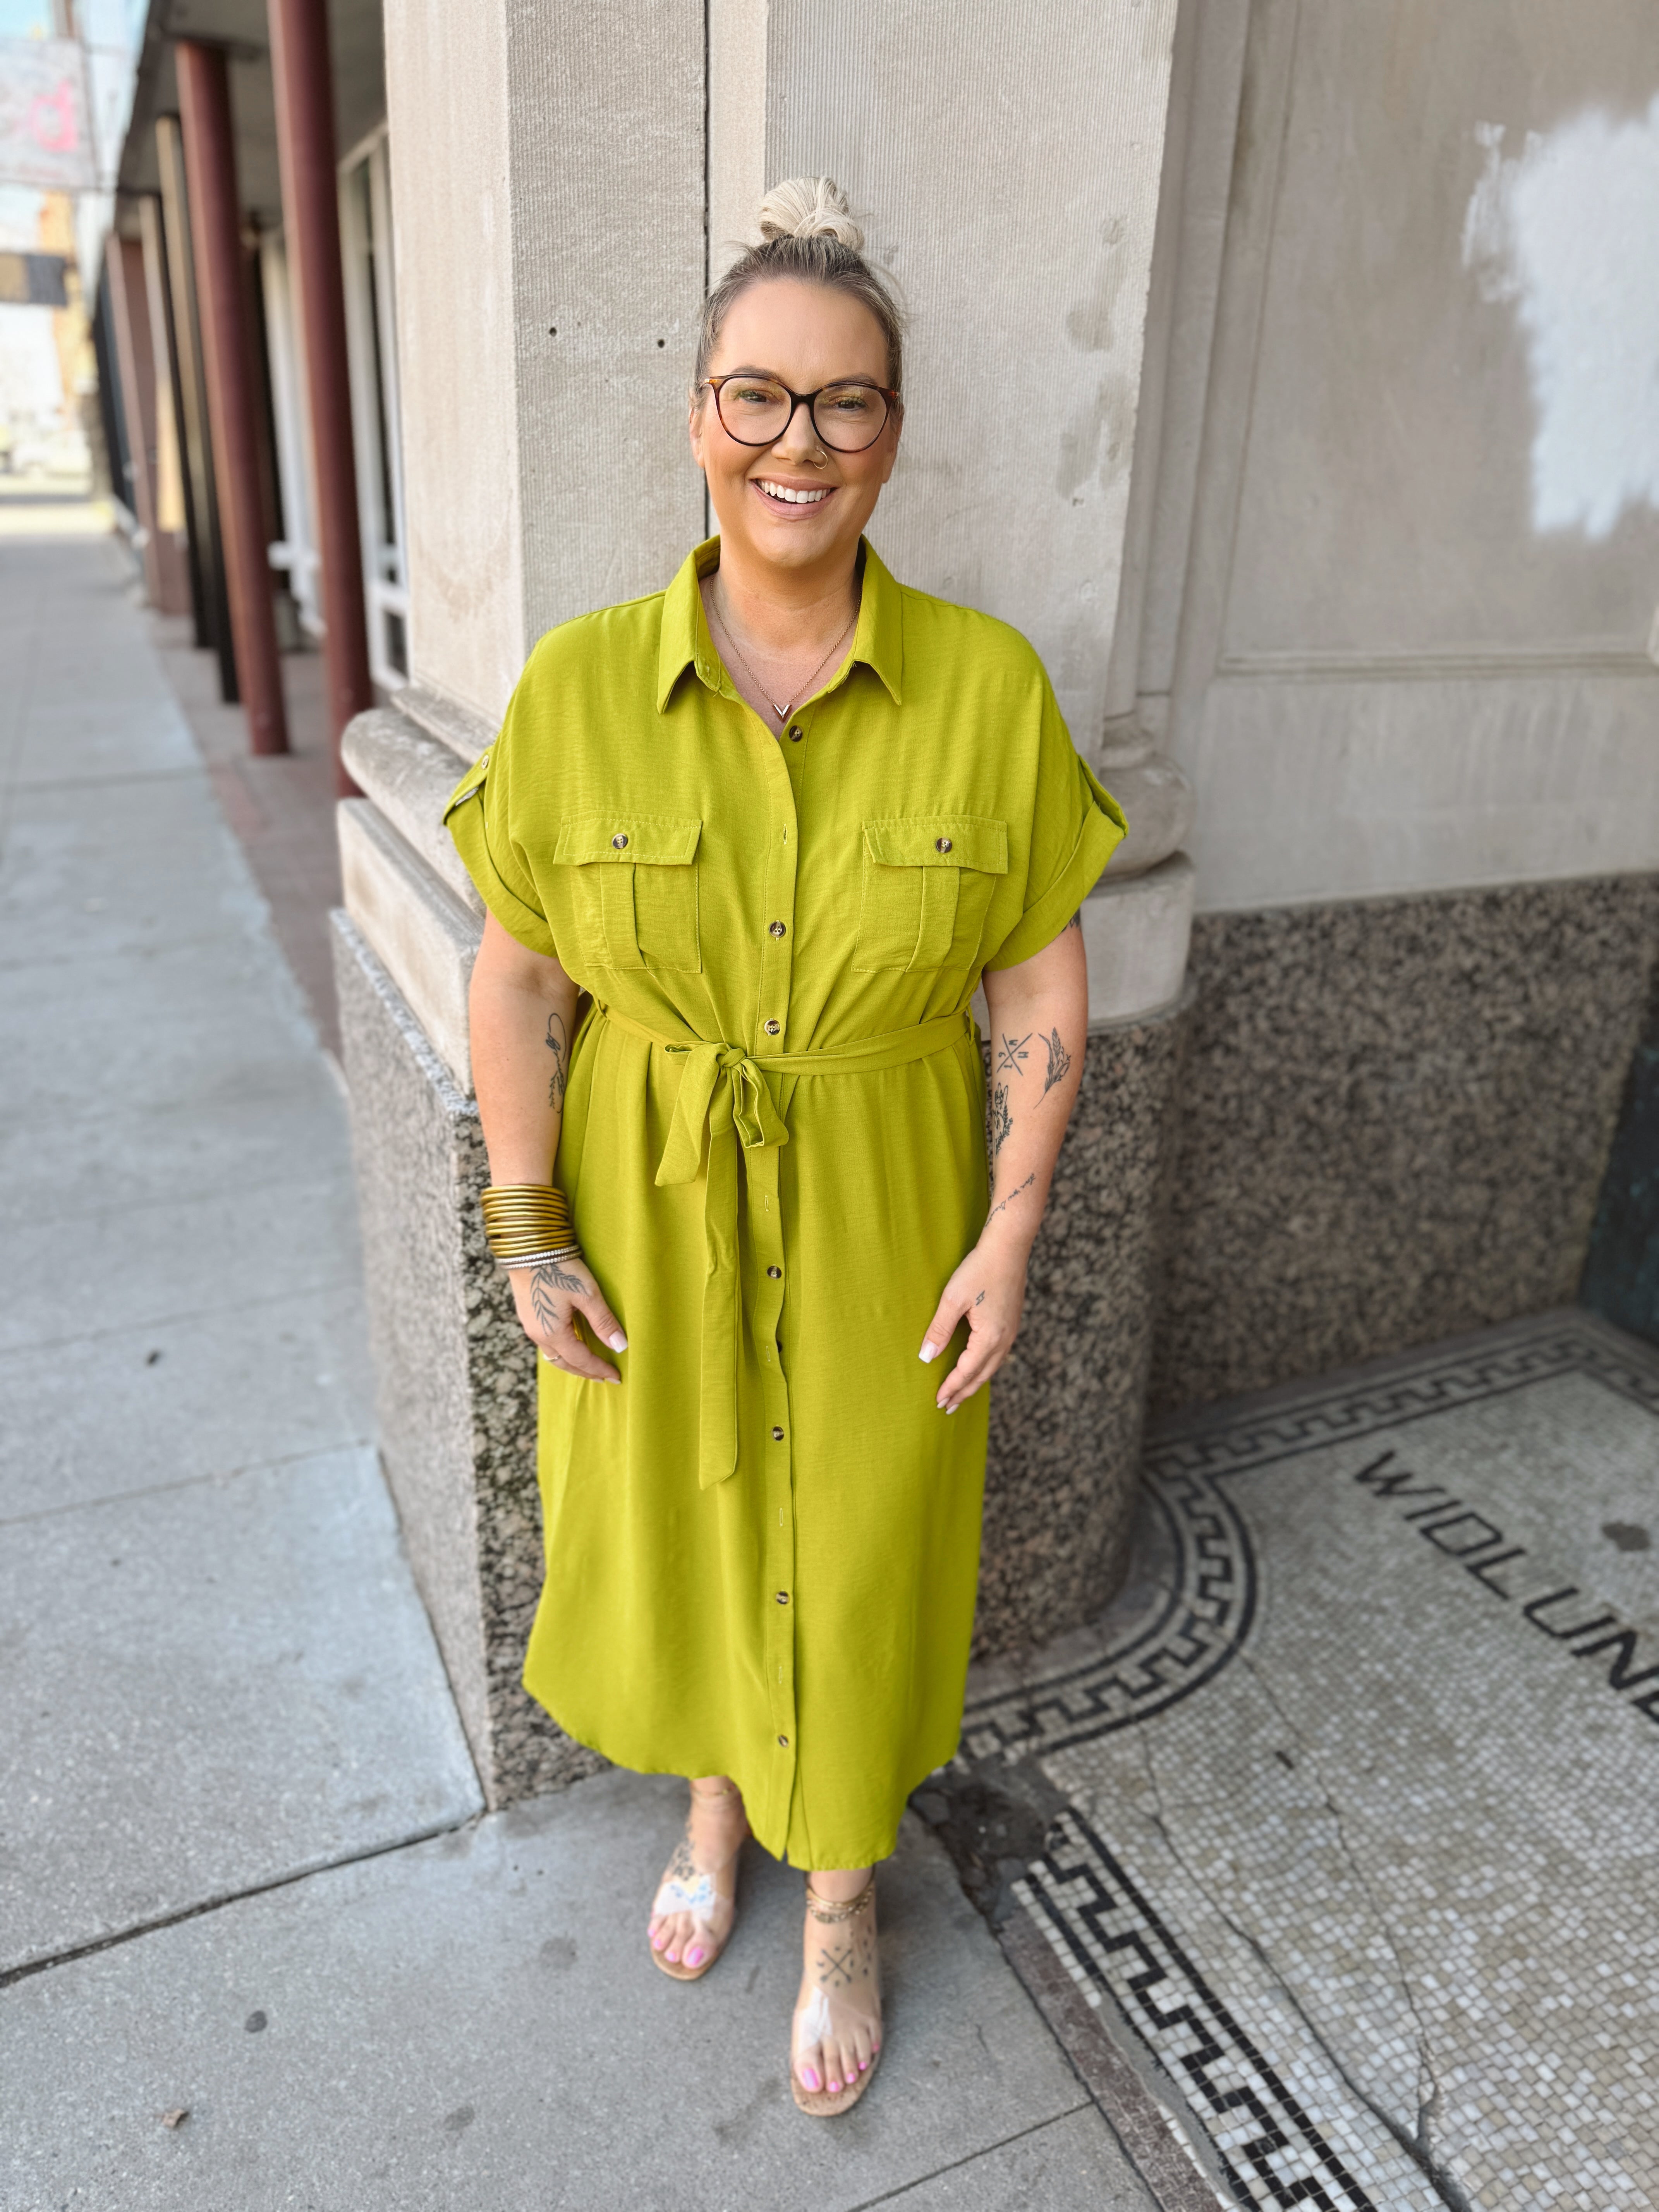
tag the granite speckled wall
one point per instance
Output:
(456, 1378)
(1394, 1118)
(1066, 1410)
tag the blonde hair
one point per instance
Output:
(807, 231)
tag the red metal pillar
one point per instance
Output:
(233, 386)
(310, 214)
(165, 580)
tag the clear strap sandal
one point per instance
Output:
(710, 1897)
(846, 1997)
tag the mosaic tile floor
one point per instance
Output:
(1344, 1822)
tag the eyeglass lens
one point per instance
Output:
(847, 416)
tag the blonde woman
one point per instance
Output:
(748, 845)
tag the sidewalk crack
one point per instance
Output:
(1416, 2142)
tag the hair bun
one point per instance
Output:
(810, 207)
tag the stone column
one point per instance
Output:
(1010, 165)
(549, 179)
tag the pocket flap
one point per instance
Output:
(940, 841)
(653, 839)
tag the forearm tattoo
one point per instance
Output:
(1059, 1061)
(1002, 1118)
(558, 1044)
(1011, 1053)
(1012, 1196)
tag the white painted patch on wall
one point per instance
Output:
(1568, 230)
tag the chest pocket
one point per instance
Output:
(927, 881)
(632, 882)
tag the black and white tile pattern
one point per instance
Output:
(1363, 1778)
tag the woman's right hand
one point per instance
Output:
(549, 1299)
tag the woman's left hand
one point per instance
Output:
(989, 1290)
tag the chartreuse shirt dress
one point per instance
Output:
(763, 1550)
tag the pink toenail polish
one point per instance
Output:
(694, 1957)
(835, 2089)
(811, 2079)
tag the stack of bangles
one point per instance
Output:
(528, 1224)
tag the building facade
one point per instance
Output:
(1262, 373)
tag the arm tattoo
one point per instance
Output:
(1009, 1200)
(1012, 1052)
(557, 1044)
(1001, 1119)
(1059, 1061)
(1076, 921)
(549, 1278)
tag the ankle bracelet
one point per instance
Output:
(824, 1909)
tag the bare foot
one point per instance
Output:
(837, 2025)
(692, 1914)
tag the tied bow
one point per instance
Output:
(723, 1092)
(742, 1101)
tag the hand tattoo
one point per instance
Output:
(1001, 1119)
(557, 1044)
(549, 1278)
(980, 1300)
(1012, 1052)
(1059, 1061)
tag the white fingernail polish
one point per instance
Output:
(619, 1342)
(928, 1351)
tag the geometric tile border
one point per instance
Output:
(1209, 1601)
(1111, 1938)
(1281, 2131)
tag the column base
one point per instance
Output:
(456, 1379)
(1067, 1410)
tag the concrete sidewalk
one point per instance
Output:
(242, 1868)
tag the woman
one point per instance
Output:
(776, 821)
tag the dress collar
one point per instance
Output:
(685, 642)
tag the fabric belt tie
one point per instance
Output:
(725, 1094)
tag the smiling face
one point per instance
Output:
(797, 505)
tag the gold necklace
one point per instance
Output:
(781, 712)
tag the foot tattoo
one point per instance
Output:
(696, 1902)
(836, 2038)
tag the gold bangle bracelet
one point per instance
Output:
(521, 1219)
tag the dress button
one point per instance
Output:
(777, 929)
(797, 733)
(620, 839)
(783, 1597)
(774, 1272)
(777, 1436)
(772, 1028)
(941, 844)
(784, 1742)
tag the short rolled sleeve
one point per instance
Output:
(1076, 827)
(478, 817)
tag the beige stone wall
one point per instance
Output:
(1010, 160)
(1402, 643)
(547, 179)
